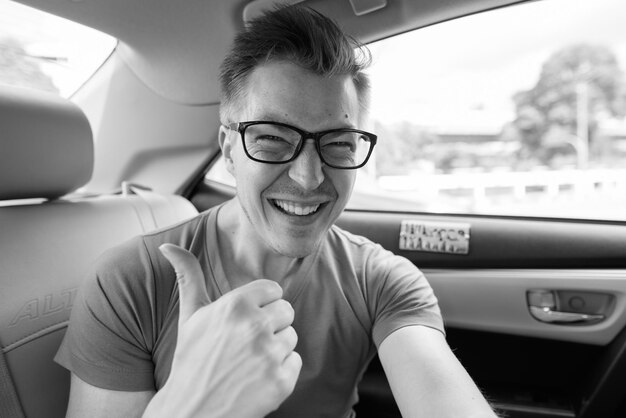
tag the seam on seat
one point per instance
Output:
(36, 334)
(144, 196)
(136, 210)
(10, 404)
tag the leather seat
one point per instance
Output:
(48, 239)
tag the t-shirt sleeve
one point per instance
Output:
(109, 338)
(399, 295)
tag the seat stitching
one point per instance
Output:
(26, 338)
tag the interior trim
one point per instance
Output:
(536, 411)
(495, 300)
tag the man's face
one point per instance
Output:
(289, 207)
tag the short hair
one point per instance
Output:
(297, 34)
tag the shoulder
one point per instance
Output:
(395, 292)
(341, 240)
(361, 250)
(136, 263)
(133, 252)
(378, 272)
(183, 234)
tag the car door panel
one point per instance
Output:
(527, 368)
(502, 242)
(496, 301)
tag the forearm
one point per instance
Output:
(427, 379)
(168, 403)
(443, 401)
(90, 401)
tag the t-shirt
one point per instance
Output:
(347, 296)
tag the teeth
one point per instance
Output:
(296, 208)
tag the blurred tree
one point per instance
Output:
(18, 68)
(401, 145)
(577, 84)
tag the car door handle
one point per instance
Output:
(546, 314)
(568, 307)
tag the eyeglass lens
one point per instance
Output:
(276, 143)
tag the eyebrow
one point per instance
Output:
(274, 117)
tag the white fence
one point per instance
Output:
(476, 191)
(519, 183)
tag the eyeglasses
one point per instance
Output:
(279, 143)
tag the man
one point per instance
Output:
(261, 306)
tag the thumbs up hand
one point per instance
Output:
(234, 357)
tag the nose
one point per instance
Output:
(306, 169)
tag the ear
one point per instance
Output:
(226, 144)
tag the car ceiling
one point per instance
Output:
(175, 47)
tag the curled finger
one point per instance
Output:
(280, 314)
(260, 292)
(286, 341)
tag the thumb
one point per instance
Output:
(192, 290)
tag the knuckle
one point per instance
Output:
(294, 365)
(237, 303)
(287, 309)
(181, 277)
(293, 337)
(288, 337)
(270, 287)
(273, 358)
(288, 378)
(276, 288)
(257, 330)
(284, 387)
(261, 325)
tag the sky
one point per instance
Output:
(83, 48)
(456, 75)
(462, 74)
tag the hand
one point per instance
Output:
(234, 357)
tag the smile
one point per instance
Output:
(293, 208)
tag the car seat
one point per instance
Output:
(49, 238)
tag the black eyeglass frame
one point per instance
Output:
(304, 135)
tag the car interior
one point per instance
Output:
(534, 305)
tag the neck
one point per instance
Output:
(250, 258)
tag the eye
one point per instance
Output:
(341, 142)
(270, 138)
(340, 145)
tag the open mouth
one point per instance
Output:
(296, 209)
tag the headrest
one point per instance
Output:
(46, 145)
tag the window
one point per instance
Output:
(45, 52)
(516, 111)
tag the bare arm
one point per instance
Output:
(93, 402)
(426, 378)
